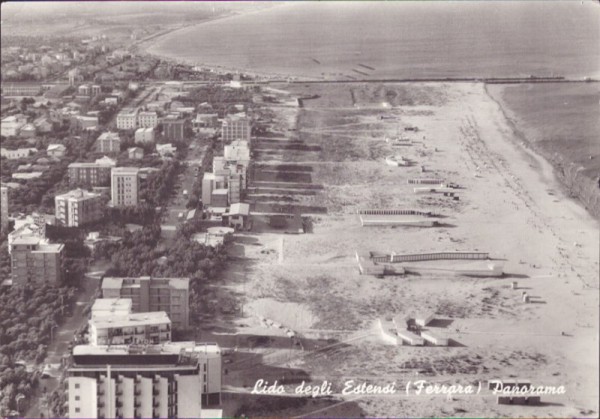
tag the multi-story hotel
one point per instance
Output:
(235, 127)
(3, 207)
(89, 174)
(170, 295)
(78, 207)
(34, 260)
(127, 119)
(171, 380)
(109, 142)
(147, 119)
(124, 186)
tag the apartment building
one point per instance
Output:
(127, 119)
(144, 135)
(78, 207)
(124, 186)
(173, 128)
(171, 380)
(89, 174)
(108, 142)
(170, 295)
(3, 208)
(132, 328)
(34, 260)
(147, 119)
(235, 127)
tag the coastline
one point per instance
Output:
(581, 188)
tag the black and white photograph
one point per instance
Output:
(300, 209)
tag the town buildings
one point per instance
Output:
(109, 142)
(153, 381)
(127, 119)
(34, 260)
(78, 207)
(235, 127)
(153, 294)
(124, 186)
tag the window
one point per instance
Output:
(77, 410)
(77, 385)
(77, 398)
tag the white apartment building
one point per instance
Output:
(171, 380)
(144, 135)
(124, 186)
(127, 119)
(78, 207)
(147, 119)
(109, 142)
(235, 127)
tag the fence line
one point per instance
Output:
(394, 258)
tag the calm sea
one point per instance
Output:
(400, 39)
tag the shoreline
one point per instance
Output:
(572, 190)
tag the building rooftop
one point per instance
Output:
(128, 112)
(125, 170)
(105, 306)
(132, 319)
(109, 136)
(50, 248)
(113, 282)
(27, 240)
(77, 194)
(147, 113)
(239, 208)
(167, 348)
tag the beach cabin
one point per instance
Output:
(423, 319)
(410, 338)
(434, 338)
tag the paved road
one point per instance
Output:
(177, 202)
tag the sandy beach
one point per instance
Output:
(511, 206)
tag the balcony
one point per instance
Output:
(156, 403)
(155, 392)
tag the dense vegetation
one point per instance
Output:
(28, 317)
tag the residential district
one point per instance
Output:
(97, 148)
